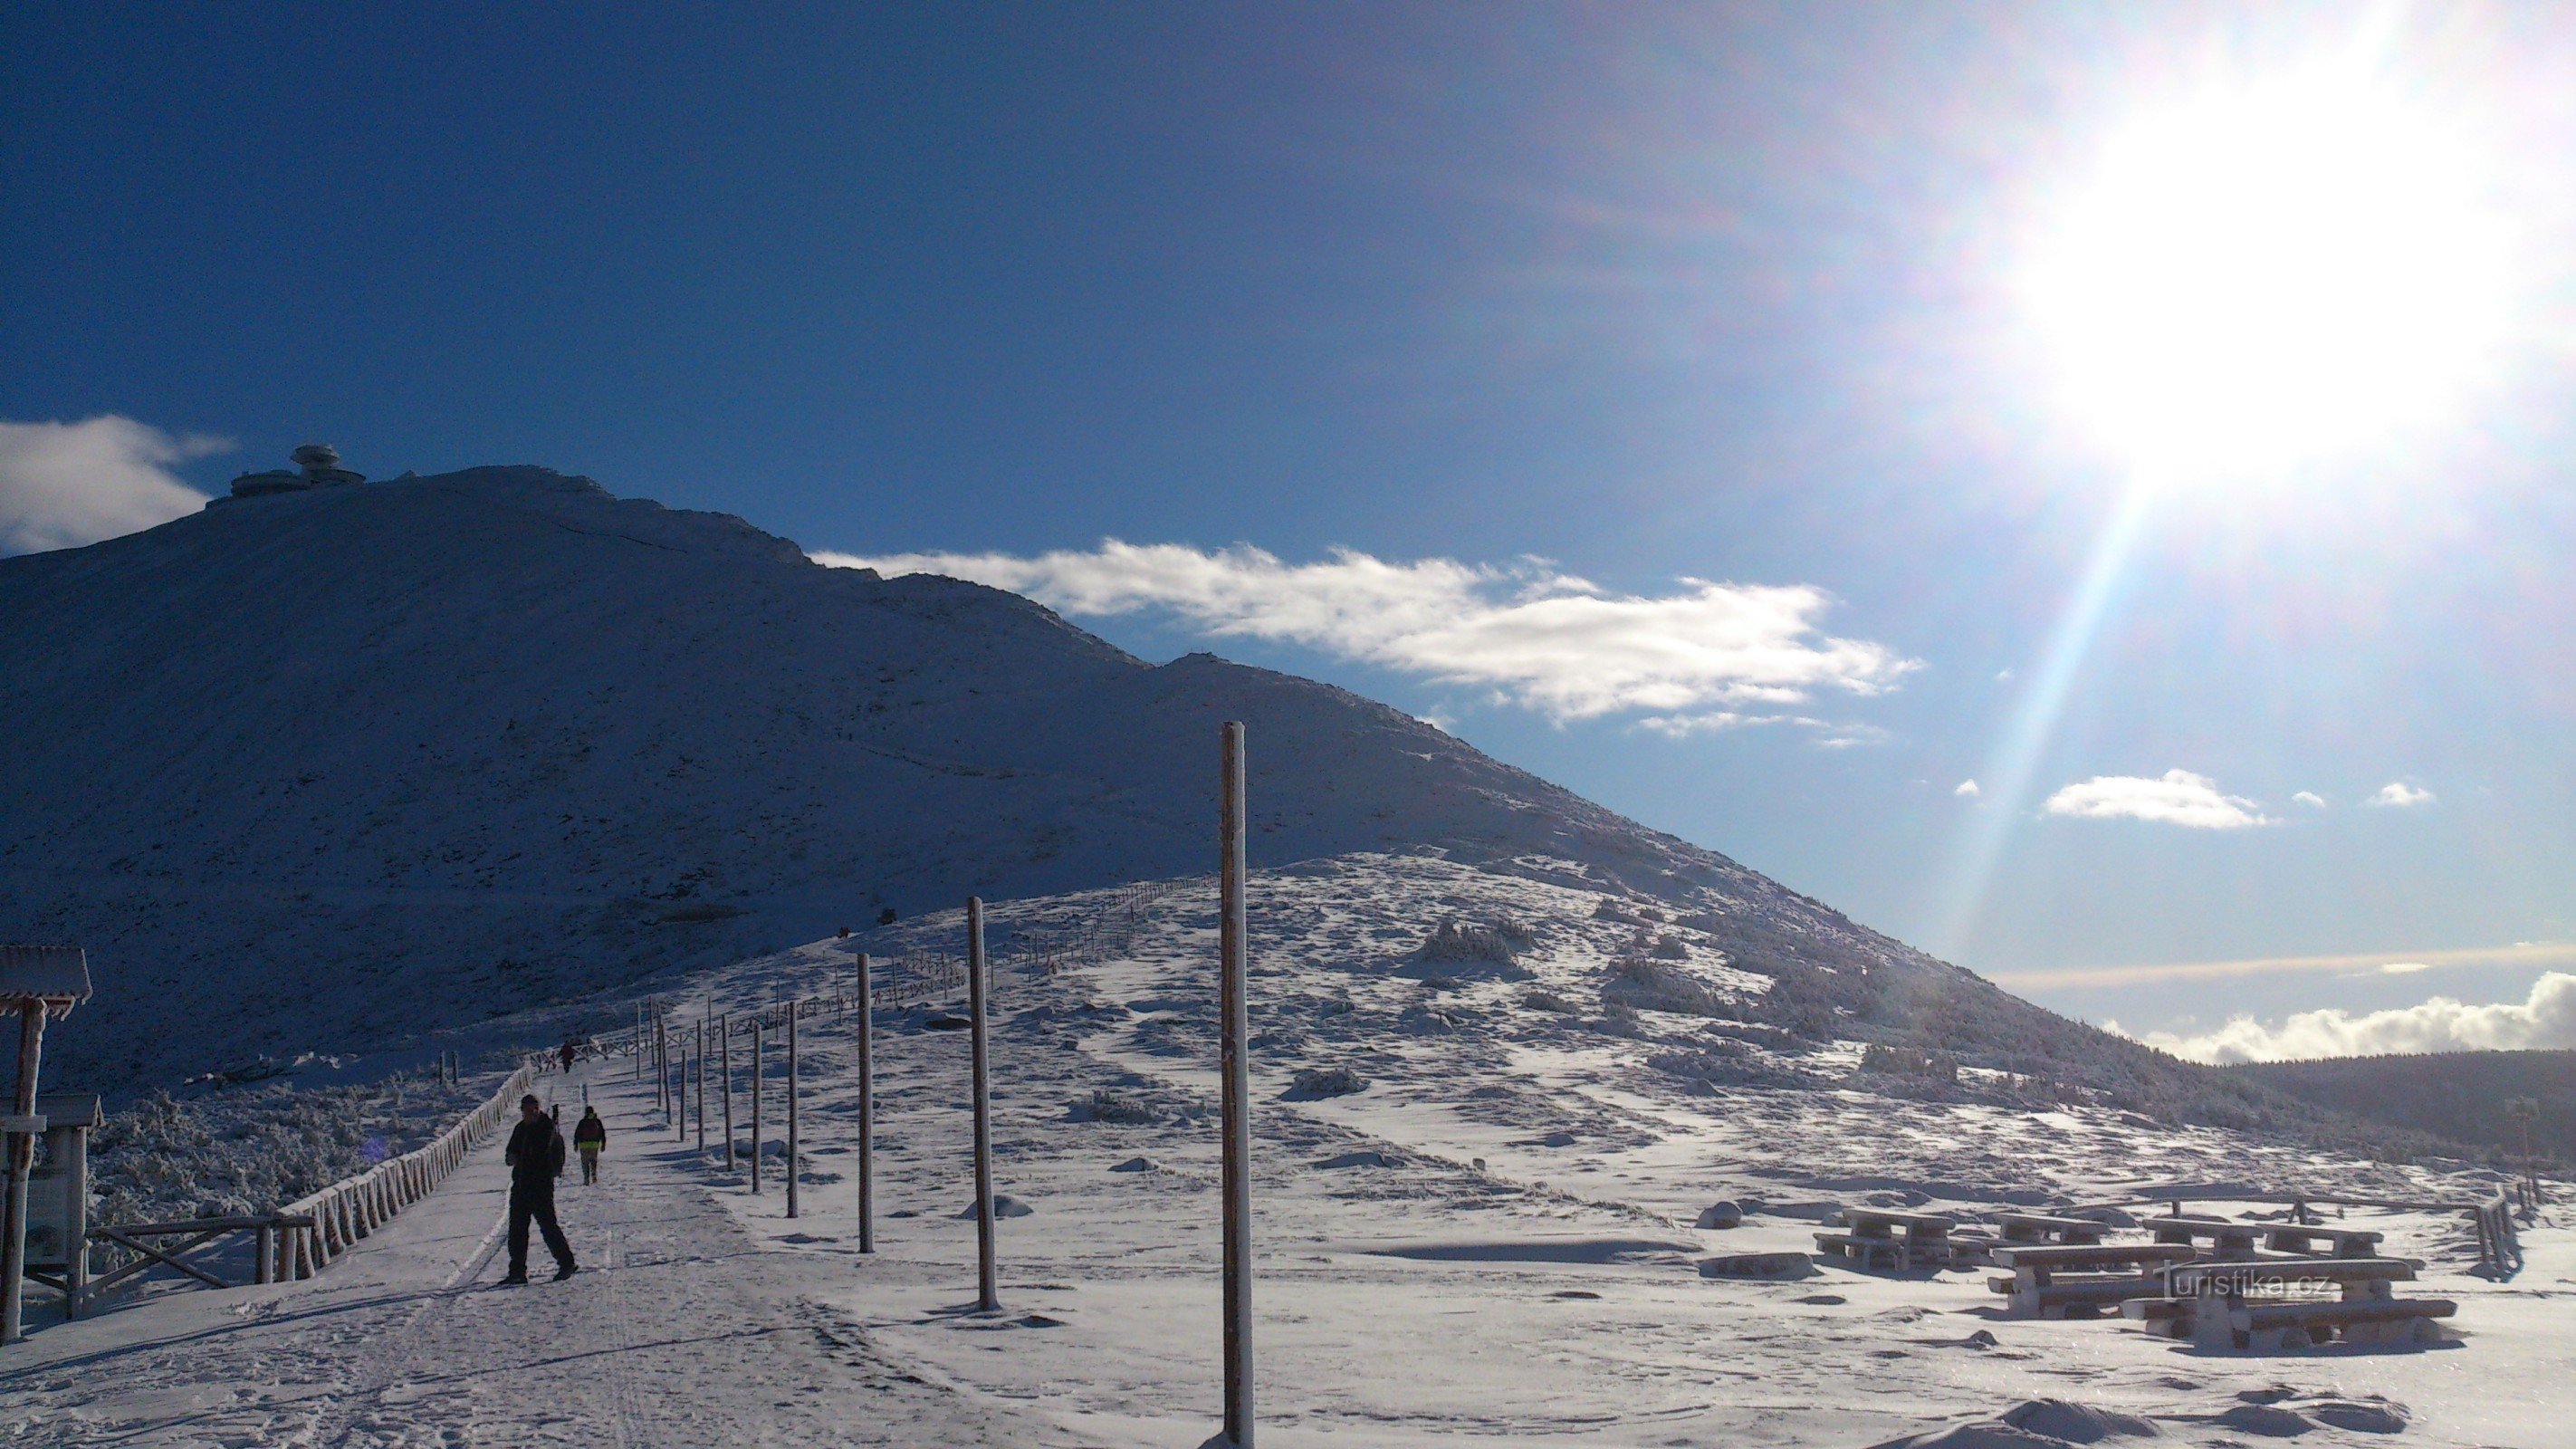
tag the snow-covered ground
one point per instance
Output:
(1492, 1242)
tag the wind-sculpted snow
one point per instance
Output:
(326, 770)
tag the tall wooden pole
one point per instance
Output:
(702, 1085)
(985, 1298)
(724, 1075)
(661, 1059)
(867, 1113)
(22, 1157)
(755, 1102)
(792, 1014)
(639, 1041)
(1236, 1096)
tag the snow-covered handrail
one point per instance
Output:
(355, 1207)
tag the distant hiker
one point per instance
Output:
(536, 1159)
(590, 1138)
(570, 1054)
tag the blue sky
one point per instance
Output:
(1592, 302)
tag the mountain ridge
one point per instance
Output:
(335, 768)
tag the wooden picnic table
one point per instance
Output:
(2245, 1304)
(2041, 1228)
(2353, 1277)
(2049, 1279)
(1877, 1237)
(2228, 1238)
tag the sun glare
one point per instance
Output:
(2272, 275)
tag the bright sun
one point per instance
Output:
(2271, 275)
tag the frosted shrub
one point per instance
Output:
(1109, 1106)
(1454, 941)
(1328, 1082)
(1644, 984)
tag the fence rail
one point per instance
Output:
(338, 1216)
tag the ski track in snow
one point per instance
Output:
(1406, 1296)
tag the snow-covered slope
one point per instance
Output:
(326, 768)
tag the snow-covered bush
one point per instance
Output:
(1327, 1082)
(1453, 940)
(1644, 984)
(1108, 1106)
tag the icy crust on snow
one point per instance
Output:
(1494, 1240)
(328, 770)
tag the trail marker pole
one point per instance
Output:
(867, 1114)
(792, 1014)
(661, 1059)
(724, 1075)
(985, 1298)
(1236, 1098)
(702, 1085)
(755, 1102)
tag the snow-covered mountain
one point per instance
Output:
(329, 767)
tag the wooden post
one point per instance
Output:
(22, 1157)
(639, 1041)
(985, 1298)
(702, 1085)
(867, 1114)
(1235, 1102)
(791, 1106)
(755, 1102)
(724, 1079)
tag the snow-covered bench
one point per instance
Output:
(2106, 1274)
(2249, 1304)
(2041, 1228)
(2227, 1237)
(2340, 1242)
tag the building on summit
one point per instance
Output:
(320, 463)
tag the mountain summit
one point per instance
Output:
(328, 766)
(321, 767)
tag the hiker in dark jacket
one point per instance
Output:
(536, 1158)
(590, 1138)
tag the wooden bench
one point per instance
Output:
(2270, 1326)
(2354, 1277)
(1869, 1253)
(2040, 1228)
(2108, 1274)
(2081, 1297)
(2340, 1242)
(2227, 1238)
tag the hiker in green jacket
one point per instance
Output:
(590, 1138)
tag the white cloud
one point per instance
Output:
(1545, 639)
(2544, 1019)
(2179, 797)
(2405, 968)
(1968, 790)
(2309, 798)
(2398, 794)
(66, 484)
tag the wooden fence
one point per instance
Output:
(355, 1207)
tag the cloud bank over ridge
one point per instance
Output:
(1539, 637)
(66, 484)
(2544, 1018)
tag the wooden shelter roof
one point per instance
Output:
(57, 976)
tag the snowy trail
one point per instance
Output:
(678, 1331)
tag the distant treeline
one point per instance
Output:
(2459, 1095)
